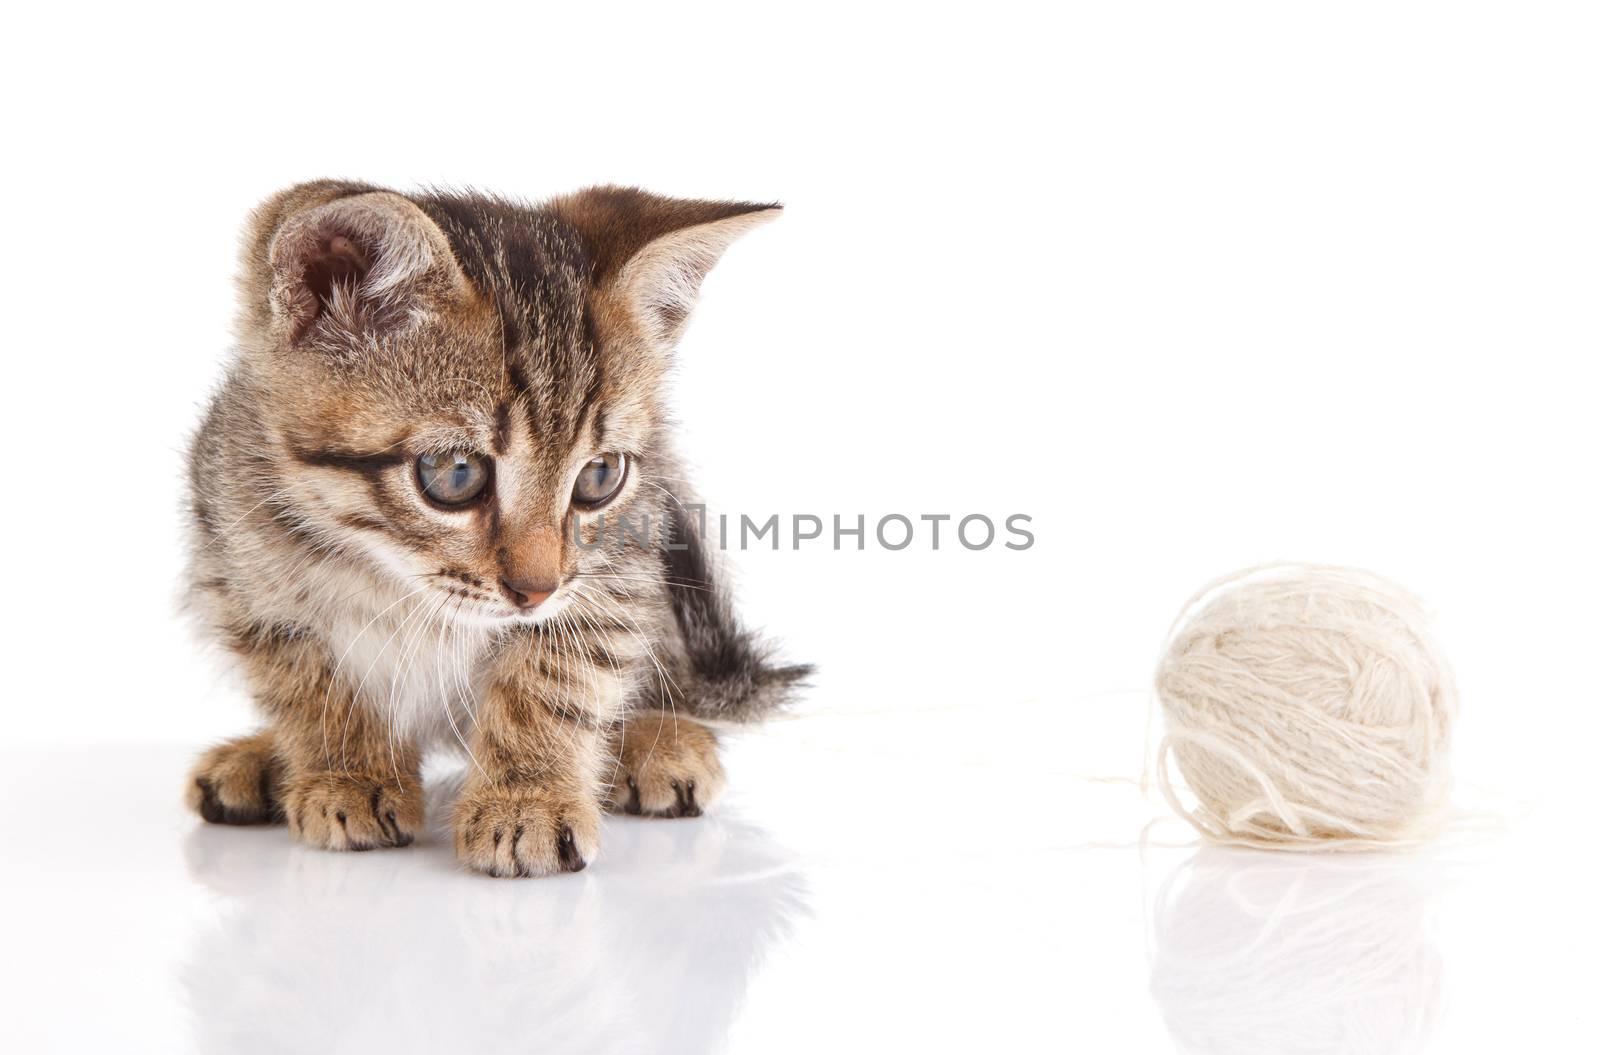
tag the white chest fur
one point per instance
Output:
(420, 672)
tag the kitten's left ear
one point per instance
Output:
(358, 265)
(651, 253)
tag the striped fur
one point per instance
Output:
(371, 622)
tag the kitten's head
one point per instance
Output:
(456, 388)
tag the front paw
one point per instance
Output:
(667, 766)
(344, 811)
(238, 782)
(525, 831)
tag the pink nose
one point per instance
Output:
(526, 593)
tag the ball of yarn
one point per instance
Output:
(1307, 708)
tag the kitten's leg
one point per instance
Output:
(349, 786)
(238, 782)
(666, 766)
(531, 805)
(341, 782)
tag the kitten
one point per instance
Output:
(435, 501)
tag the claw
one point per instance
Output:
(567, 850)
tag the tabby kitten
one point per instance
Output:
(435, 501)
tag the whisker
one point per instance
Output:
(408, 651)
(449, 715)
(222, 532)
(662, 674)
(327, 696)
(355, 697)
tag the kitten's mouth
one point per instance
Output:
(486, 610)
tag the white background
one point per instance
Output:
(1196, 286)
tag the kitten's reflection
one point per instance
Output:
(1263, 952)
(651, 949)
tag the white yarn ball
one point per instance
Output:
(1307, 707)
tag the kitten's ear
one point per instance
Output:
(651, 253)
(345, 262)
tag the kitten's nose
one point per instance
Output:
(527, 593)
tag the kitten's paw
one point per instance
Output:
(667, 767)
(238, 782)
(345, 811)
(525, 832)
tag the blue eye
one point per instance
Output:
(452, 479)
(600, 480)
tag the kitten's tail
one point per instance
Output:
(723, 672)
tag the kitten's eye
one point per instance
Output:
(452, 479)
(600, 480)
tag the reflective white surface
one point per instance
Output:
(1195, 286)
(850, 894)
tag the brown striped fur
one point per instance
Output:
(373, 624)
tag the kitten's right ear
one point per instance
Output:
(340, 262)
(651, 253)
